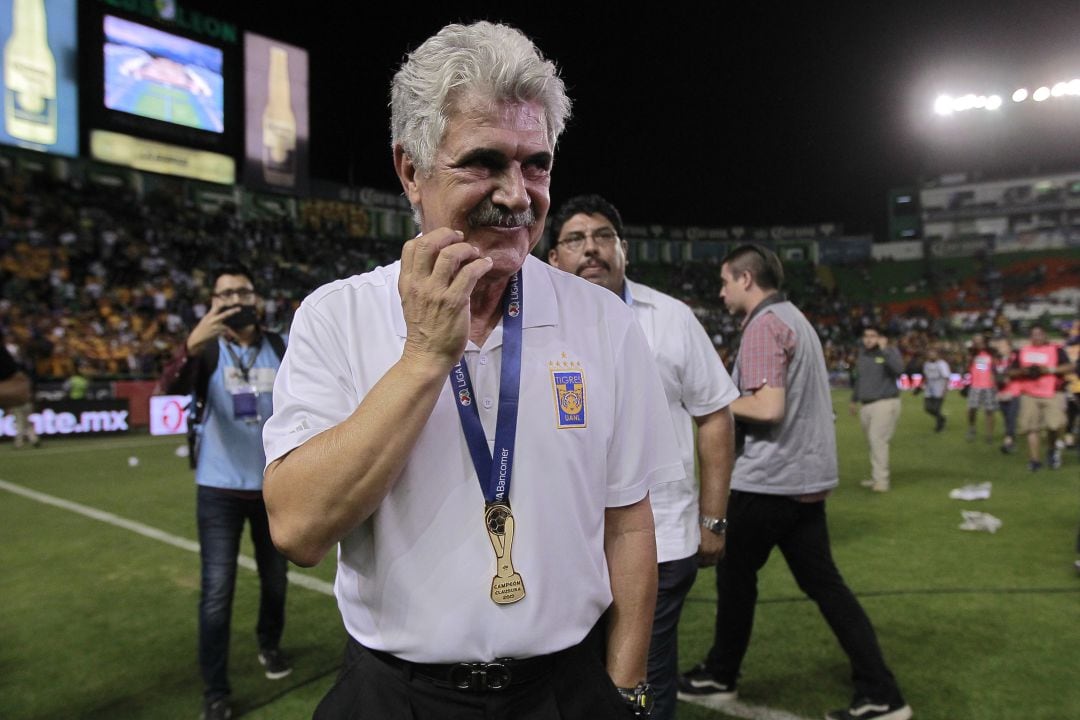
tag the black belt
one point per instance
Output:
(476, 676)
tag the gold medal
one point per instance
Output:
(507, 586)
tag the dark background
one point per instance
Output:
(775, 113)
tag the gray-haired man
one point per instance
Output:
(478, 545)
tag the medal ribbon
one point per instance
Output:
(494, 477)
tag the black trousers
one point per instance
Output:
(932, 406)
(578, 688)
(756, 524)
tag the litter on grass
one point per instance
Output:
(979, 521)
(977, 491)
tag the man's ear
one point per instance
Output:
(407, 173)
(552, 254)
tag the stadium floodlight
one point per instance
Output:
(947, 104)
(950, 104)
(943, 105)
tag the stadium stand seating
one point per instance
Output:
(110, 279)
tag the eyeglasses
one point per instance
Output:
(604, 237)
(241, 294)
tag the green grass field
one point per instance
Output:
(169, 104)
(99, 621)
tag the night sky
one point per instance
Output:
(775, 113)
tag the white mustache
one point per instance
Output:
(488, 214)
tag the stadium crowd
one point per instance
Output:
(99, 279)
(838, 319)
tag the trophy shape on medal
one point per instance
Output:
(507, 586)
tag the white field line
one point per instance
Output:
(296, 578)
(733, 709)
(81, 445)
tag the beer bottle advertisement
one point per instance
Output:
(276, 110)
(40, 93)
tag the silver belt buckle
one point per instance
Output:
(480, 676)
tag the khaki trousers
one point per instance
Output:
(879, 420)
(24, 429)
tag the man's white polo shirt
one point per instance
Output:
(414, 579)
(696, 384)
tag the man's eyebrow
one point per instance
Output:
(540, 159)
(488, 157)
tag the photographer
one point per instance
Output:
(229, 364)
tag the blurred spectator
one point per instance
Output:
(1008, 391)
(77, 384)
(1038, 366)
(875, 398)
(982, 392)
(14, 385)
(1072, 386)
(25, 432)
(935, 385)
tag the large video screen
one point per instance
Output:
(157, 75)
(41, 102)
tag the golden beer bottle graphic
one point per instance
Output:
(279, 124)
(29, 76)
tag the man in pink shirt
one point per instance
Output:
(1039, 365)
(982, 393)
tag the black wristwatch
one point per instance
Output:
(640, 698)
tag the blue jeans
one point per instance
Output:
(221, 516)
(675, 580)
